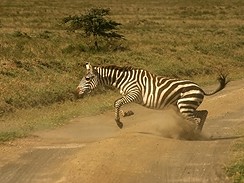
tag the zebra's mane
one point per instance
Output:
(124, 68)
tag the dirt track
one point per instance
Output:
(150, 148)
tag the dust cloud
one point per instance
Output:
(167, 123)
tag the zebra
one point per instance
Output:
(149, 90)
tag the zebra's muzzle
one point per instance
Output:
(80, 91)
(83, 90)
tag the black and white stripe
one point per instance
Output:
(149, 90)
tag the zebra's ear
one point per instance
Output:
(88, 67)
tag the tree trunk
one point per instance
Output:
(96, 44)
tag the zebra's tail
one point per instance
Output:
(222, 84)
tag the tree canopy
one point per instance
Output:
(94, 23)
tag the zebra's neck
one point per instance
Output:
(111, 75)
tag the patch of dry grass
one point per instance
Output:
(22, 122)
(40, 63)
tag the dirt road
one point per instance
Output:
(152, 147)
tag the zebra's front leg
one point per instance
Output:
(127, 113)
(117, 106)
(124, 114)
(130, 97)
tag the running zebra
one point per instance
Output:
(149, 90)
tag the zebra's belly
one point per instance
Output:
(159, 102)
(152, 106)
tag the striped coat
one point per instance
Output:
(147, 89)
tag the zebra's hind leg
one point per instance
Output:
(202, 115)
(197, 118)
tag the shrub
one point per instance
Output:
(94, 24)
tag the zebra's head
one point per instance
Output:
(88, 82)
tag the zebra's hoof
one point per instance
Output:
(198, 130)
(128, 113)
(199, 127)
(120, 125)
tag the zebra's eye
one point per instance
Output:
(87, 78)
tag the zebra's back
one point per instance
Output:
(159, 92)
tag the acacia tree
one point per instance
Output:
(94, 23)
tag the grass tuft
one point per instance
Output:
(236, 171)
(11, 135)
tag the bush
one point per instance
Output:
(94, 24)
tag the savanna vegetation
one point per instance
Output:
(41, 62)
(94, 23)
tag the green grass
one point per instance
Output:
(11, 135)
(23, 122)
(41, 63)
(236, 169)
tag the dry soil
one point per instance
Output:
(154, 146)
